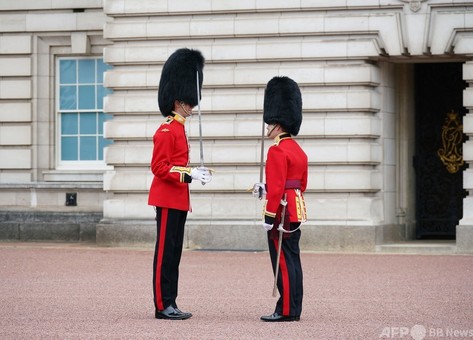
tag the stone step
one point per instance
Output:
(430, 247)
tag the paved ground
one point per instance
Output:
(73, 291)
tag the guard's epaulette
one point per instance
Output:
(169, 119)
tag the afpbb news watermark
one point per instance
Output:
(419, 332)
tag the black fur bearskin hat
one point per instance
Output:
(283, 104)
(179, 79)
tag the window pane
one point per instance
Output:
(101, 68)
(87, 97)
(88, 123)
(67, 71)
(87, 71)
(69, 124)
(102, 118)
(68, 100)
(101, 93)
(102, 144)
(88, 148)
(69, 148)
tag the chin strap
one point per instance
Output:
(184, 109)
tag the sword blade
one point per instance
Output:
(278, 256)
(275, 287)
(261, 165)
(200, 123)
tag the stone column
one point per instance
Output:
(465, 227)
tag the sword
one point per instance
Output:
(200, 125)
(261, 165)
(278, 256)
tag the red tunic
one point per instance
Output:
(286, 165)
(170, 166)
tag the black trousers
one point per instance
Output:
(289, 281)
(167, 256)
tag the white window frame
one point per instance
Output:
(72, 165)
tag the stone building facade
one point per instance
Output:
(376, 76)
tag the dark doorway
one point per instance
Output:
(438, 158)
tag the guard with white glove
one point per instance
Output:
(201, 174)
(259, 190)
(267, 226)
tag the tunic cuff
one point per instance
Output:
(269, 219)
(184, 173)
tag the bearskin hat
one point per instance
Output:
(283, 104)
(179, 79)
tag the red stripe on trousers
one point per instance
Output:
(285, 281)
(159, 261)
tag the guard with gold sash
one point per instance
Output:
(179, 92)
(286, 180)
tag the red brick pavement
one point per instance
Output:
(77, 291)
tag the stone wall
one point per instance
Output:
(347, 129)
(350, 58)
(33, 33)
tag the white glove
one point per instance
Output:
(201, 174)
(267, 226)
(259, 190)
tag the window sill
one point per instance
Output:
(73, 175)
